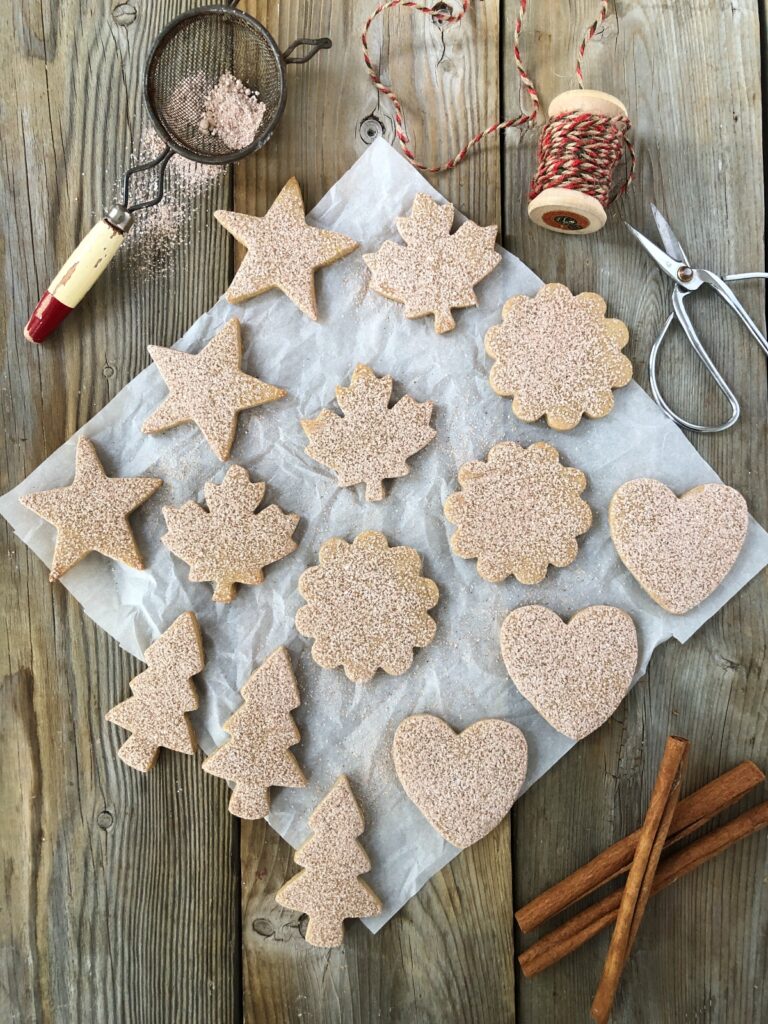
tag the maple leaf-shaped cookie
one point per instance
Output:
(435, 271)
(283, 250)
(370, 442)
(518, 512)
(230, 543)
(557, 355)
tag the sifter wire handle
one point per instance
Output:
(313, 44)
(93, 255)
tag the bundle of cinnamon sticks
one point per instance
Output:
(645, 857)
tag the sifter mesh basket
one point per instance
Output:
(187, 61)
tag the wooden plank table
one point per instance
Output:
(137, 899)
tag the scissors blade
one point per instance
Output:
(668, 265)
(667, 235)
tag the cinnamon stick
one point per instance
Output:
(691, 814)
(637, 890)
(570, 936)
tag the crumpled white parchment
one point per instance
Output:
(344, 727)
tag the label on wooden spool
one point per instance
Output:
(566, 210)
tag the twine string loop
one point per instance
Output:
(444, 16)
(576, 150)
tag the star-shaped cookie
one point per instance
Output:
(92, 513)
(283, 250)
(208, 389)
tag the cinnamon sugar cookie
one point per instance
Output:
(366, 606)
(558, 356)
(574, 673)
(435, 271)
(208, 389)
(163, 693)
(257, 754)
(463, 783)
(230, 543)
(283, 250)
(678, 549)
(91, 513)
(329, 890)
(518, 512)
(370, 443)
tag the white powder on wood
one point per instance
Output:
(159, 231)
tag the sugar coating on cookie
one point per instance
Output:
(574, 673)
(678, 549)
(435, 271)
(91, 513)
(208, 389)
(329, 890)
(518, 512)
(230, 543)
(257, 755)
(370, 443)
(162, 695)
(463, 783)
(367, 606)
(558, 356)
(283, 250)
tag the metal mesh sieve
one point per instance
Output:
(187, 61)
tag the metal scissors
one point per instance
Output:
(688, 279)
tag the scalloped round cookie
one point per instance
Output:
(366, 606)
(558, 356)
(518, 512)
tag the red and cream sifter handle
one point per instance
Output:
(79, 274)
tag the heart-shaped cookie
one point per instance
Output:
(574, 673)
(678, 549)
(463, 783)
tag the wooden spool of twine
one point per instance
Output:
(580, 147)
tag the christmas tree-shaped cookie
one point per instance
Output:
(162, 694)
(262, 730)
(328, 890)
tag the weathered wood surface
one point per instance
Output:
(122, 892)
(701, 952)
(119, 899)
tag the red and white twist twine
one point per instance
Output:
(576, 150)
(580, 150)
(602, 14)
(444, 16)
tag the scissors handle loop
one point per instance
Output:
(680, 313)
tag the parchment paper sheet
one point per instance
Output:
(344, 727)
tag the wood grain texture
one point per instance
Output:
(699, 955)
(448, 955)
(119, 890)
